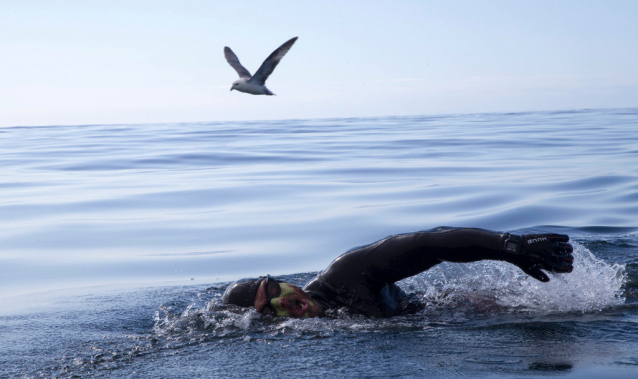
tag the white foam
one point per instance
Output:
(593, 285)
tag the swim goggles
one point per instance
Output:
(273, 290)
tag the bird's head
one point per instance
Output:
(238, 83)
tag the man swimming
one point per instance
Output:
(363, 279)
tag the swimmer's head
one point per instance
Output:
(272, 297)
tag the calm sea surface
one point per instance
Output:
(117, 241)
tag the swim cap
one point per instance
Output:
(242, 292)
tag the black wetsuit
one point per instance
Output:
(362, 279)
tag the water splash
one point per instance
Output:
(205, 316)
(593, 285)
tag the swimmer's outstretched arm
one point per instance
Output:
(401, 256)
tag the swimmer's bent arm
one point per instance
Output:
(401, 256)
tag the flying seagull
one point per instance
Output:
(255, 84)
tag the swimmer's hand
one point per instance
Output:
(536, 252)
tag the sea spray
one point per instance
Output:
(593, 285)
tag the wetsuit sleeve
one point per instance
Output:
(401, 256)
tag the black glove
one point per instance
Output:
(536, 252)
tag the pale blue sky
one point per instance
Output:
(88, 62)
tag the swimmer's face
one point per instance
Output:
(283, 299)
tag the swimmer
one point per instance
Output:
(363, 279)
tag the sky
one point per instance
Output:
(155, 61)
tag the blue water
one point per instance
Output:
(116, 242)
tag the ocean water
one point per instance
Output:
(117, 241)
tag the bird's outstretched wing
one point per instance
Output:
(271, 62)
(234, 62)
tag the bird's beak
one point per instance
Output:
(231, 88)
